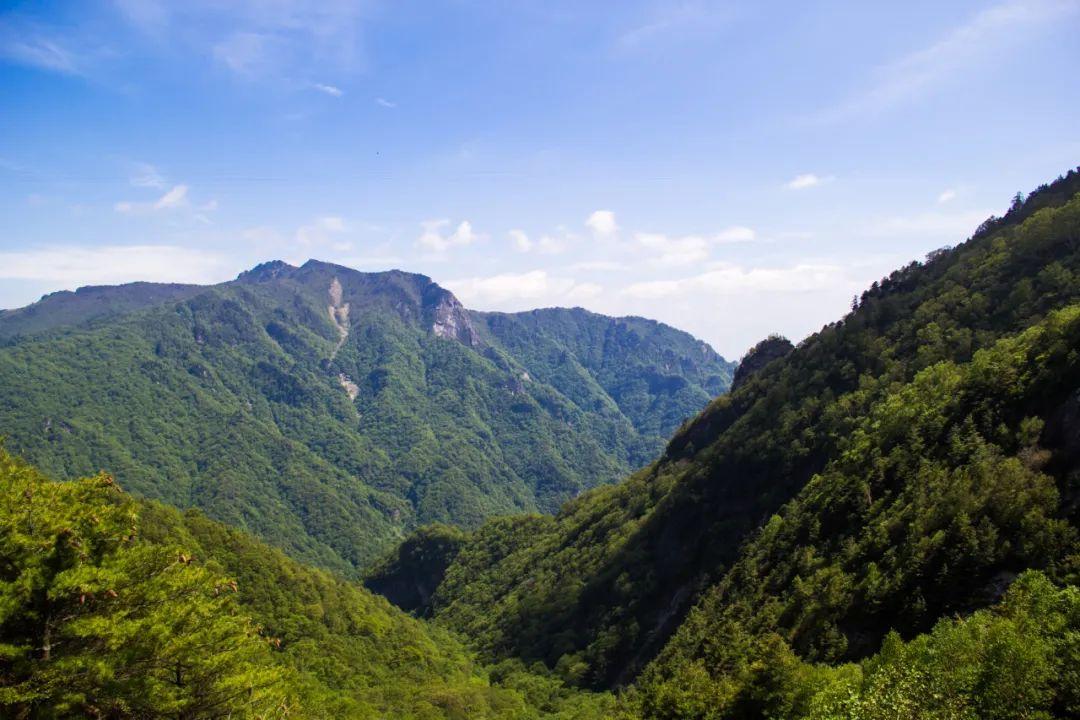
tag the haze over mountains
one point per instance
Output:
(330, 411)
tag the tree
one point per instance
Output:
(96, 623)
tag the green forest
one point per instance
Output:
(330, 411)
(880, 522)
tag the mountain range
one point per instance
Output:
(330, 411)
(881, 521)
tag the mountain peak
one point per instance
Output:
(270, 270)
(771, 348)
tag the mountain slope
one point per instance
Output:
(598, 590)
(113, 608)
(330, 411)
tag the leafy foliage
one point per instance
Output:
(95, 624)
(1017, 659)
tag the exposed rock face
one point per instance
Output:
(351, 389)
(771, 348)
(449, 318)
(339, 315)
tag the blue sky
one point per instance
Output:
(732, 168)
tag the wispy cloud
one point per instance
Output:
(987, 36)
(548, 244)
(671, 18)
(598, 266)
(331, 90)
(107, 264)
(383, 102)
(807, 180)
(513, 291)
(42, 53)
(731, 279)
(521, 240)
(689, 249)
(175, 197)
(946, 196)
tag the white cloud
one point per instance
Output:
(433, 238)
(515, 291)
(735, 234)
(329, 89)
(946, 196)
(176, 197)
(545, 245)
(109, 264)
(987, 36)
(733, 305)
(731, 279)
(602, 223)
(807, 180)
(385, 103)
(598, 266)
(39, 52)
(552, 245)
(674, 251)
(521, 241)
(689, 249)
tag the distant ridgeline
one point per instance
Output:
(330, 411)
(902, 467)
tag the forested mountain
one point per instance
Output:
(903, 465)
(330, 411)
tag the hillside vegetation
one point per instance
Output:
(329, 411)
(113, 608)
(903, 465)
